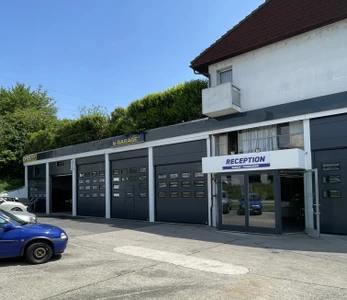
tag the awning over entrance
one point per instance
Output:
(273, 160)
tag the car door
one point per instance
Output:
(9, 241)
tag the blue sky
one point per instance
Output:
(108, 52)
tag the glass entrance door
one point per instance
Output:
(312, 213)
(247, 202)
(232, 194)
(261, 201)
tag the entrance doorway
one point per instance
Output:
(62, 194)
(248, 202)
(292, 201)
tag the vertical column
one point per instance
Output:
(307, 144)
(308, 184)
(107, 187)
(48, 190)
(26, 182)
(209, 184)
(74, 187)
(151, 185)
(214, 186)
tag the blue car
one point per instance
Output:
(36, 242)
(255, 205)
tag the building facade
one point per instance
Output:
(269, 157)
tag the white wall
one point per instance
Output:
(310, 65)
(20, 193)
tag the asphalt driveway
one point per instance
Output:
(114, 259)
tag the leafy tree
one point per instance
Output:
(181, 103)
(28, 122)
(23, 111)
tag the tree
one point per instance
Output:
(181, 103)
(28, 121)
(23, 111)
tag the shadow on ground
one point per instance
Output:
(21, 261)
(293, 242)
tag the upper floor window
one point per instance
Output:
(267, 138)
(225, 76)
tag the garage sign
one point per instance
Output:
(124, 140)
(29, 158)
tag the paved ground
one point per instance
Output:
(133, 260)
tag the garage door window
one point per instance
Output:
(199, 183)
(331, 167)
(133, 170)
(332, 179)
(142, 170)
(174, 184)
(186, 184)
(199, 195)
(332, 194)
(185, 175)
(186, 194)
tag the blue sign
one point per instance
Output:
(124, 140)
(247, 162)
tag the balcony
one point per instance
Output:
(221, 100)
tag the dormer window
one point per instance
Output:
(226, 76)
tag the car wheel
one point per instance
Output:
(16, 209)
(39, 253)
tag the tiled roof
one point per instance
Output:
(273, 21)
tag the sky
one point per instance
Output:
(108, 52)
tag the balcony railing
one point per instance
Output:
(221, 100)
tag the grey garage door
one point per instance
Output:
(181, 193)
(91, 190)
(332, 166)
(130, 189)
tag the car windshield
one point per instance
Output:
(12, 218)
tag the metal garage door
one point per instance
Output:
(91, 190)
(181, 193)
(332, 166)
(130, 189)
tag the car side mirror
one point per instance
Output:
(8, 227)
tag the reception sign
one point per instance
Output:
(272, 160)
(250, 161)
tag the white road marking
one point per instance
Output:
(191, 262)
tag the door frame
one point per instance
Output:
(315, 231)
(247, 228)
(51, 190)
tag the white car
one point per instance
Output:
(12, 205)
(27, 217)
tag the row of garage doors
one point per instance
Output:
(180, 186)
